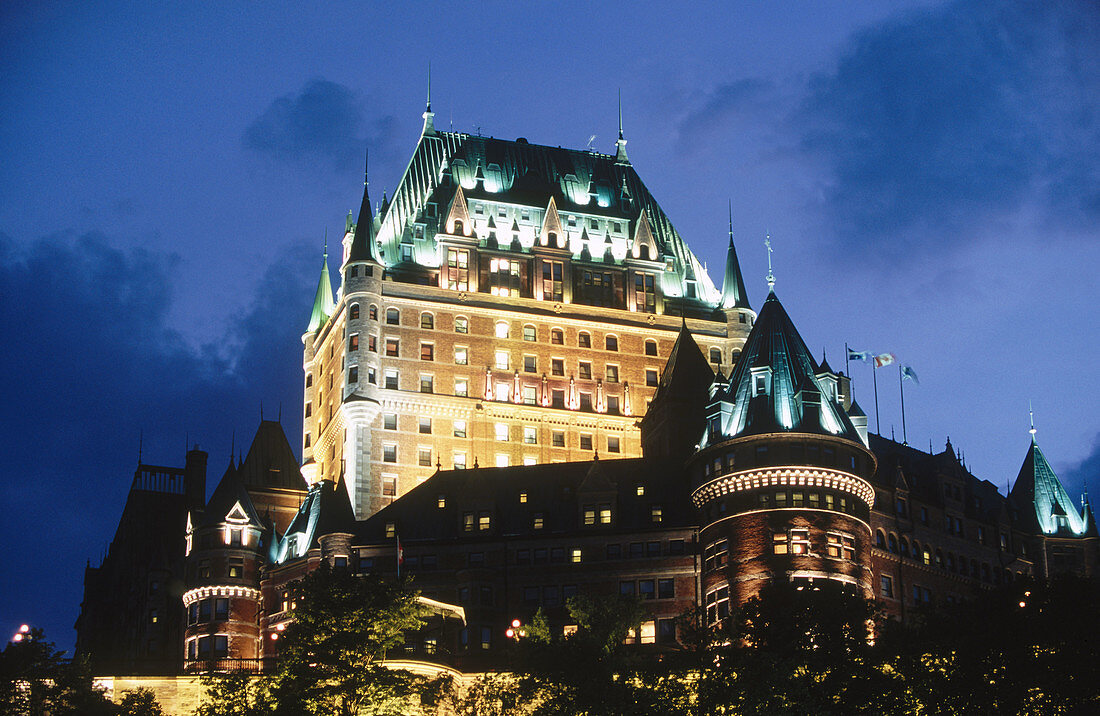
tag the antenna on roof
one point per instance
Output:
(141, 443)
(731, 218)
(770, 276)
(620, 113)
(326, 243)
(429, 105)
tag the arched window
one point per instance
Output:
(462, 324)
(584, 339)
(353, 311)
(892, 543)
(460, 230)
(611, 343)
(393, 317)
(309, 380)
(715, 356)
(904, 547)
(427, 321)
(530, 333)
(643, 252)
(939, 558)
(557, 336)
(651, 347)
(880, 539)
(373, 313)
(502, 330)
(552, 238)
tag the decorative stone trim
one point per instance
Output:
(808, 477)
(193, 595)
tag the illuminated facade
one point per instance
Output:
(511, 304)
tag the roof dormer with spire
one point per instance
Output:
(323, 304)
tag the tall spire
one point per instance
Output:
(362, 246)
(429, 115)
(1031, 419)
(770, 276)
(322, 302)
(733, 286)
(620, 143)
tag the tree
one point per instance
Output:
(36, 679)
(139, 702)
(236, 695)
(331, 656)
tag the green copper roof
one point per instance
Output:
(323, 304)
(518, 173)
(325, 510)
(1041, 502)
(733, 286)
(774, 388)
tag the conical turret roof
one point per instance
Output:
(362, 245)
(686, 372)
(323, 304)
(774, 388)
(1042, 504)
(733, 285)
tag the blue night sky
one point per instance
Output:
(929, 173)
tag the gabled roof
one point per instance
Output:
(270, 461)
(322, 303)
(519, 172)
(794, 400)
(1041, 503)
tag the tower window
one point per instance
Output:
(529, 333)
(353, 311)
(651, 377)
(462, 325)
(715, 356)
(584, 339)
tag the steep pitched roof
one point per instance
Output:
(270, 461)
(228, 495)
(1041, 503)
(323, 304)
(733, 285)
(686, 372)
(586, 182)
(793, 400)
(362, 245)
(326, 510)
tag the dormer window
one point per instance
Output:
(761, 380)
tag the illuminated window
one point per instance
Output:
(353, 342)
(427, 321)
(639, 489)
(468, 521)
(612, 372)
(552, 272)
(462, 355)
(441, 502)
(391, 530)
(460, 428)
(651, 377)
(557, 438)
(353, 311)
(886, 588)
(504, 278)
(389, 486)
(656, 513)
(575, 555)
(613, 444)
(536, 522)
(501, 431)
(584, 370)
(392, 346)
(840, 546)
(605, 514)
(645, 296)
(484, 521)
(462, 387)
(393, 317)
(427, 351)
(716, 553)
(530, 435)
(586, 441)
(589, 515)
(501, 360)
(462, 325)
(717, 604)
(424, 457)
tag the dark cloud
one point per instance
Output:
(1084, 473)
(95, 364)
(958, 115)
(323, 121)
(730, 109)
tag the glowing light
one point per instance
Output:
(509, 632)
(274, 637)
(515, 623)
(24, 629)
(17, 638)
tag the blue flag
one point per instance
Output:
(907, 372)
(859, 355)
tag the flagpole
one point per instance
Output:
(874, 377)
(901, 386)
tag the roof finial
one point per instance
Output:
(620, 143)
(325, 252)
(429, 104)
(1031, 419)
(429, 116)
(770, 276)
(730, 201)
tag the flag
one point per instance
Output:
(400, 551)
(859, 355)
(907, 372)
(884, 359)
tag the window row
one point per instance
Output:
(837, 545)
(207, 610)
(932, 556)
(613, 551)
(215, 646)
(663, 588)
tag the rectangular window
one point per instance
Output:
(501, 431)
(353, 342)
(530, 333)
(717, 604)
(589, 516)
(372, 343)
(460, 428)
(605, 514)
(557, 438)
(586, 402)
(552, 272)
(656, 514)
(530, 435)
(613, 444)
(575, 555)
(613, 405)
(458, 270)
(504, 277)
(645, 296)
(626, 589)
(427, 351)
(530, 364)
(716, 553)
(462, 355)
(887, 587)
(460, 460)
(424, 457)
(427, 384)
(557, 366)
(614, 551)
(389, 485)
(389, 453)
(425, 426)
(462, 387)
(484, 521)
(584, 370)
(536, 523)
(468, 521)
(651, 377)
(392, 347)
(666, 588)
(529, 395)
(390, 377)
(647, 589)
(557, 398)
(586, 442)
(501, 360)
